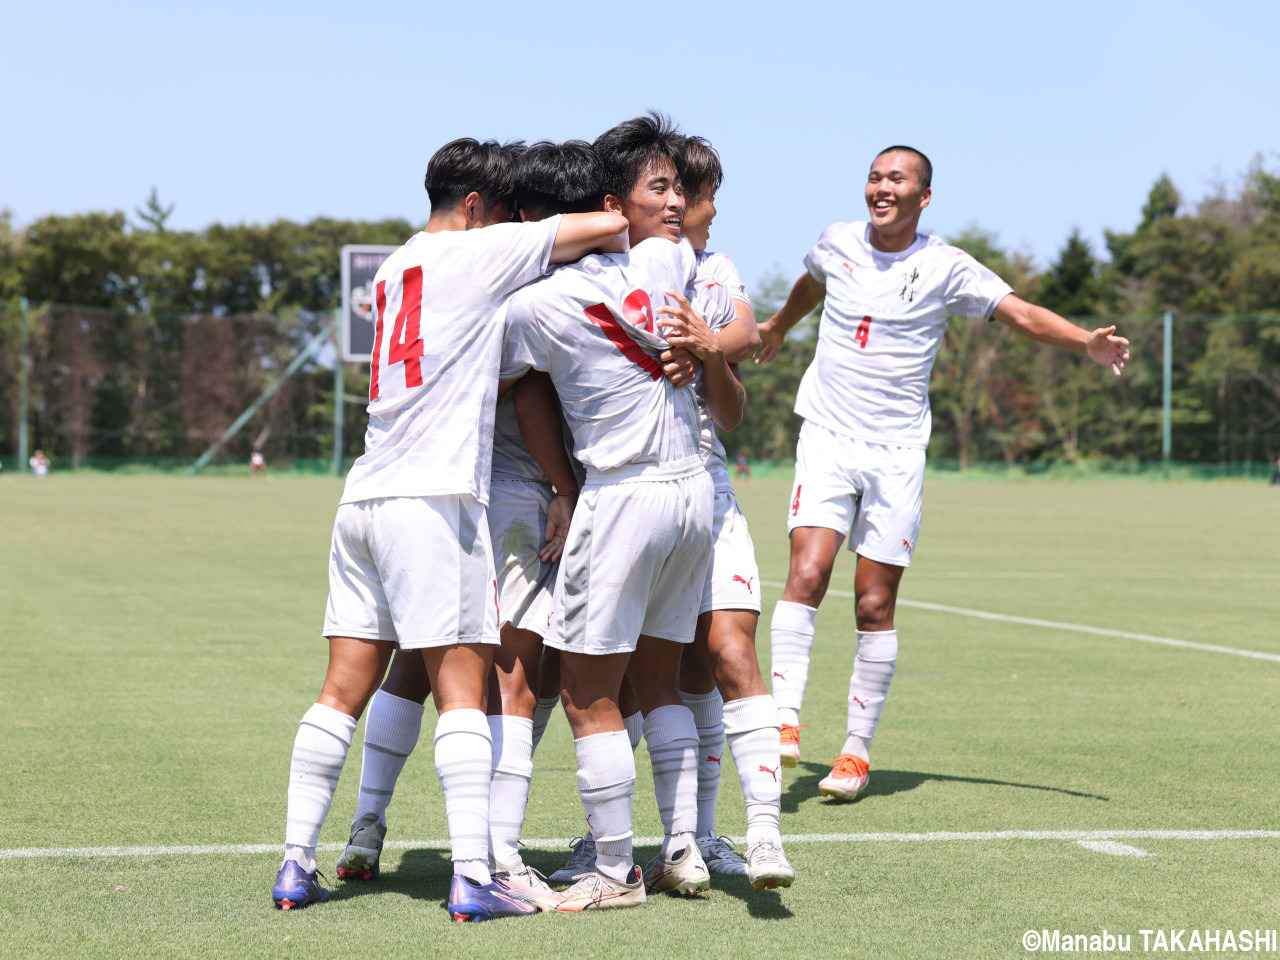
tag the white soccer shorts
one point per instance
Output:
(417, 571)
(517, 529)
(733, 579)
(634, 563)
(870, 492)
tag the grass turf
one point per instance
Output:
(159, 641)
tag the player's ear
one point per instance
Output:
(471, 206)
(611, 204)
(925, 196)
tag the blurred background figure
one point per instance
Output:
(742, 466)
(39, 464)
(257, 464)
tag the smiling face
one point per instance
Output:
(655, 205)
(698, 215)
(896, 196)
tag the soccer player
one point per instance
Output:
(411, 564)
(888, 291)
(547, 179)
(720, 677)
(641, 531)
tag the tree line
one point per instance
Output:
(143, 341)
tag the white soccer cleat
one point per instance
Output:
(720, 857)
(360, 861)
(581, 862)
(767, 865)
(849, 776)
(595, 891)
(529, 885)
(686, 873)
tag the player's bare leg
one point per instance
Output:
(813, 557)
(672, 738)
(319, 752)
(390, 734)
(548, 692)
(876, 588)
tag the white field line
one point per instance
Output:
(1055, 625)
(1074, 836)
(1114, 848)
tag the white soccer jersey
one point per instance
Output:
(591, 326)
(437, 344)
(882, 324)
(718, 267)
(712, 293)
(511, 458)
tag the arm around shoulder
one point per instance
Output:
(581, 233)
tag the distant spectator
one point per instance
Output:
(742, 466)
(39, 464)
(1275, 477)
(257, 464)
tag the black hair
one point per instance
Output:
(466, 165)
(926, 168)
(628, 149)
(553, 178)
(700, 169)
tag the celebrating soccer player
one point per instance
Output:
(888, 292)
(411, 564)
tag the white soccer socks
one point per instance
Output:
(509, 791)
(790, 640)
(319, 751)
(607, 784)
(542, 716)
(634, 726)
(672, 738)
(869, 686)
(751, 725)
(391, 731)
(464, 764)
(708, 717)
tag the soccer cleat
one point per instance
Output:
(472, 902)
(360, 860)
(295, 888)
(685, 873)
(721, 858)
(767, 865)
(790, 744)
(848, 778)
(581, 862)
(529, 885)
(595, 891)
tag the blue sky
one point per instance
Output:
(1038, 117)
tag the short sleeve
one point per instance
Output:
(523, 342)
(722, 269)
(816, 259)
(973, 290)
(713, 300)
(506, 256)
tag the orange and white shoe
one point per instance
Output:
(595, 891)
(790, 744)
(849, 776)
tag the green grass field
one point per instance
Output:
(159, 639)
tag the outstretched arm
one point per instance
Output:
(723, 390)
(1039, 323)
(802, 301)
(580, 233)
(538, 413)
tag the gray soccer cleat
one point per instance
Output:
(581, 862)
(721, 858)
(360, 860)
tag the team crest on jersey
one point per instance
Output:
(908, 291)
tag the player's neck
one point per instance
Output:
(896, 242)
(446, 220)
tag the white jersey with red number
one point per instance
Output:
(591, 326)
(712, 293)
(882, 324)
(437, 344)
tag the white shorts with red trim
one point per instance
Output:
(872, 493)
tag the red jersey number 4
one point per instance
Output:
(863, 331)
